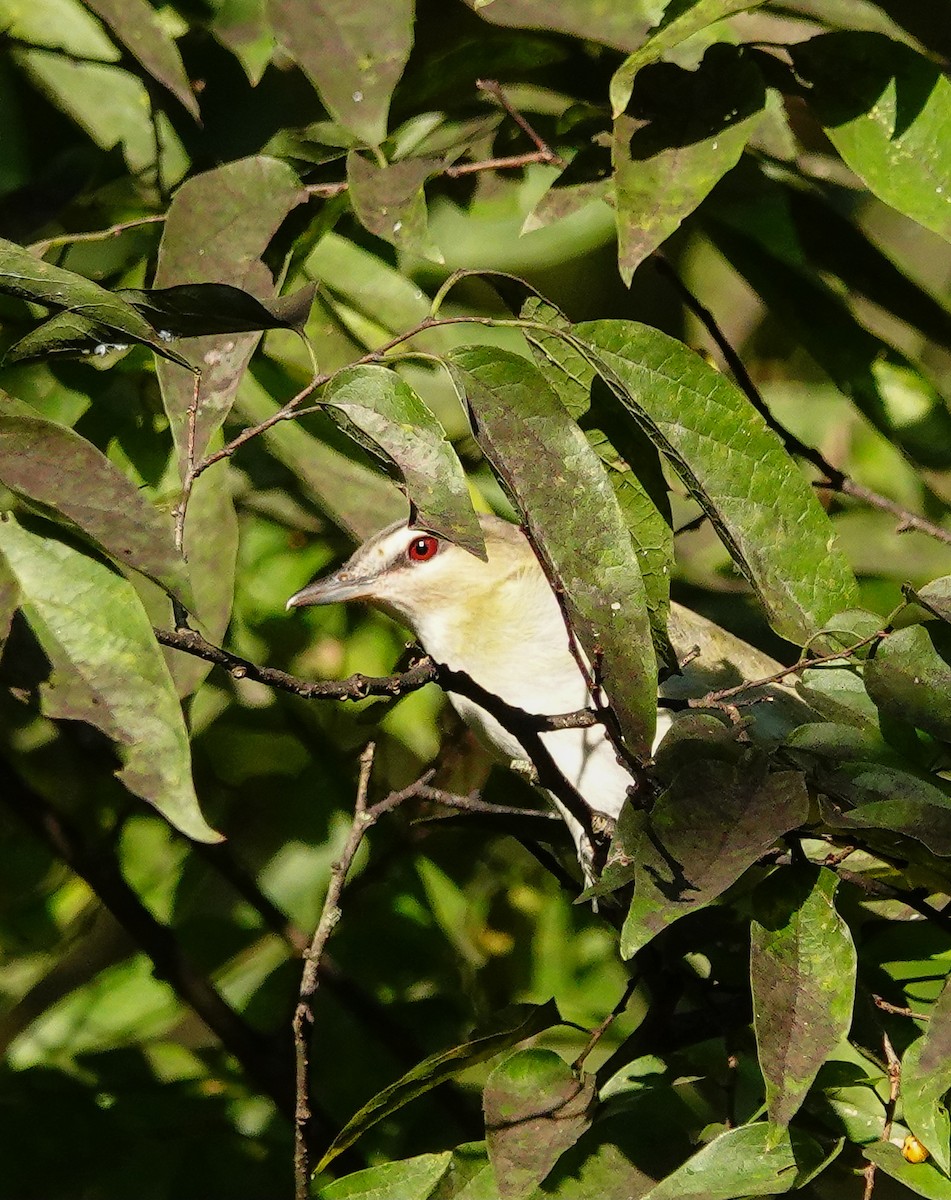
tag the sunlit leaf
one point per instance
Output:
(926, 1080)
(407, 1179)
(390, 202)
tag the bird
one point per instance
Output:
(500, 623)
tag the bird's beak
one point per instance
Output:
(332, 589)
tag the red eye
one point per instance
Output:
(423, 548)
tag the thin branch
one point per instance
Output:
(506, 162)
(96, 235)
(493, 88)
(601, 1029)
(896, 1010)
(894, 1087)
(837, 482)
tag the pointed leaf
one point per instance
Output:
(926, 1080)
(406, 1179)
(802, 972)
(516, 1024)
(887, 110)
(749, 1161)
(386, 415)
(682, 132)
(53, 466)
(680, 22)
(734, 466)
(712, 823)
(924, 1179)
(194, 309)
(107, 669)
(909, 677)
(621, 25)
(223, 221)
(570, 509)
(353, 52)
(390, 202)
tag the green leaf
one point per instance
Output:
(887, 110)
(29, 278)
(748, 1161)
(934, 598)
(925, 1081)
(924, 1179)
(195, 309)
(389, 200)
(802, 973)
(536, 1107)
(407, 1179)
(713, 822)
(909, 677)
(682, 132)
(680, 22)
(621, 25)
(385, 415)
(10, 597)
(734, 466)
(630, 459)
(136, 25)
(514, 1025)
(54, 467)
(353, 51)
(222, 220)
(107, 669)
(570, 508)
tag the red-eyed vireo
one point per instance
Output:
(499, 622)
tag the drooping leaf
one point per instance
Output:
(196, 309)
(712, 823)
(135, 24)
(29, 278)
(734, 466)
(887, 110)
(57, 469)
(909, 677)
(535, 1107)
(926, 1080)
(630, 459)
(353, 53)
(683, 130)
(517, 1023)
(390, 202)
(405, 1179)
(680, 22)
(886, 798)
(242, 26)
(222, 222)
(571, 511)
(802, 972)
(386, 416)
(107, 669)
(748, 1161)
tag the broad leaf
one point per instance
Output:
(734, 466)
(536, 1107)
(194, 309)
(570, 508)
(353, 51)
(390, 202)
(517, 1023)
(221, 221)
(406, 1179)
(924, 1179)
(10, 597)
(683, 130)
(57, 469)
(622, 25)
(107, 669)
(926, 1080)
(887, 110)
(386, 416)
(802, 972)
(748, 1161)
(909, 677)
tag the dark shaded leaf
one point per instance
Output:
(621, 25)
(390, 202)
(734, 466)
(749, 1161)
(909, 677)
(54, 467)
(925, 1081)
(715, 820)
(386, 416)
(107, 669)
(888, 799)
(223, 221)
(135, 24)
(407, 1179)
(196, 309)
(517, 1023)
(536, 1107)
(353, 53)
(570, 509)
(680, 22)
(683, 130)
(802, 972)
(887, 110)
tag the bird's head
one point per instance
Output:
(432, 585)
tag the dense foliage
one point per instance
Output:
(271, 271)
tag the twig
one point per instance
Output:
(188, 482)
(601, 1029)
(96, 235)
(833, 479)
(473, 804)
(894, 1086)
(896, 1010)
(876, 889)
(506, 162)
(493, 88)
